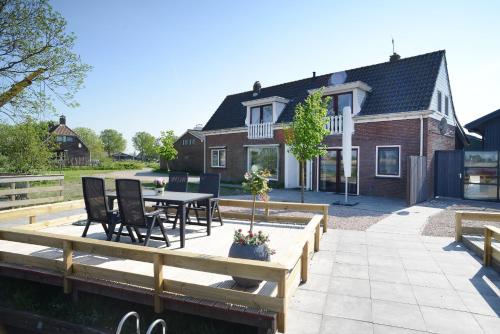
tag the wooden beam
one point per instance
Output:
(308, 207)
(67, 265)
(480, 215)
(30, 190)
(31, 178)
(304, 261)
(270, 218)
(31, 261)
(31, 201)
(325, 218)
(116, 276)
(282, 290)
(51, 223)
(158, 282)
(41, 209)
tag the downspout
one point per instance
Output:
(421, 135)
(205, 155)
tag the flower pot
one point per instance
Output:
(160, 191)
(249, 252)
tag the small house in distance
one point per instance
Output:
(488, 127)
(70, 151)
(190, 152)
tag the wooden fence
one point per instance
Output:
(20, 188)
(417, 180)
(286, 275)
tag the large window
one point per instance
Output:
(64, 139)
(388, 161)
(219, 158)
(481, 175)
(338, 102)
(264, 157)
(261, 114)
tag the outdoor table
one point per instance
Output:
(181, 199)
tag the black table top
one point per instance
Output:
(169, 196)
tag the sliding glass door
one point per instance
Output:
(331, 172)
(481, 175)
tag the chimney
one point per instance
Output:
(256, 88)
(314, 75)
(394, 57)
(62, 120)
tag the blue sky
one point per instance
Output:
(160, 65)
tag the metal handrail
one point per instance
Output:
(125, 317)
(156, 322)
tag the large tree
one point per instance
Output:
(307, 132)
(92, 141)
(146, 144)
(37, 62)
(112, 141)
(166, 148)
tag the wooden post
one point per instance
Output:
(13, 186)
(61, 183)
(67, 264)
(487, 247)
(317, 235)
(325, 218)
(158, 282)
(32, 219)
(304, 262)
(282, 294)
(458, 226)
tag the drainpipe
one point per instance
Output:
(421, 135)
(205, 155)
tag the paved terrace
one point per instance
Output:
(390, 279)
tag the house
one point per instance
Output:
(122, 156)
(488, 127)
(190, 152)
(71, 150)
(401, 108)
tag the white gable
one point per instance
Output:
(442, 85)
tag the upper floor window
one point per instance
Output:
(64, 139)
(338, 103)
(439, 101)
(187, 142)
(261, 114)
(446, 105)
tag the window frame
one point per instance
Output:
(218, 150)
(439, 101)
(377, 174)
(446, 105)
(335, 102)
(261, 113)
(249, 148)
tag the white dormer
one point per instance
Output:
(441, 102)
(265, 110)
(358, 89)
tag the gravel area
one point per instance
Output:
(443, 223)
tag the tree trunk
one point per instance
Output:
(253, 214)
(302, 179)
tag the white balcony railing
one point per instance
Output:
(260, 130)
(335, 124)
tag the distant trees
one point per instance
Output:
(112, 141)
(93, 142)
(166, 148)
(146, 144)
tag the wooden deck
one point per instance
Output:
(200, 273)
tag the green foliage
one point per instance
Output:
(25, 147)
(112, 141)
(146, 144)
(257, 183)
(166, 148)
(34, 38)
(92, 141)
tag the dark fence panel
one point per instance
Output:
(448, 171)
(417, 180)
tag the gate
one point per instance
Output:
(448, 169)
(417, 180)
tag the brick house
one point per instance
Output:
(189, 146)
(400, 108)
(70, 148)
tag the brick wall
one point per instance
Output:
(189, 158)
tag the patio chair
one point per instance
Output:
(178, 182)
(209, 184)
(96, 205)
(133, 213)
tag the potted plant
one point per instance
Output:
(252, 246)
(159, 184)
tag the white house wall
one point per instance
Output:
(291, 170)
(442, 85)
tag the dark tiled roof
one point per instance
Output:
(475, 126)
(403, 85)
(63, 130)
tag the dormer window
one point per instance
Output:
(338, 103)
(261, 114)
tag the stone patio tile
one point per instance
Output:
(348, 307)
(397, 314)
(395, 292)
(413, 253)
(351, 258)
(442, 298)
(420, 264)
(333, 325)
(490, 325)
(350, 286)
(387, 274)
(349, 247)
(444, 321)
(484, 305)
(316, 282)
(431, 280)
(350, 270)
(382, 329)
(323, 256)
(385, 261)
(411, 245)
(329, 246)
(321, 267)
(481, 284)
(303, 322)
(308, 301)
(381, 251)
(464, 269)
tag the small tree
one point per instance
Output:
(146, 144)
(112, 141)
(92, 141)
(256, 183)
(166, 148)
(307, 132)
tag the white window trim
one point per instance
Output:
(277, 160)
(376, 161)
(218, 158)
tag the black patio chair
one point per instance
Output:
(133, 213)
(209, 184)
(178, 182)
(96, 205)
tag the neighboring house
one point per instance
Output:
(122, 156)
(488, 127)
(401, 108)
(190, 155)
(70, 148)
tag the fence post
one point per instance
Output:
(158, 282)
(487, 247)
(61, 183)
(458, 226)
(304, 262)
(325, 218)
(67, 264)
(317, 235)
(282, 294)
(32, 219)
(13, 186)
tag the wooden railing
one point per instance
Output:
(335, 124)
(490, 232)
(260, 130)
(286, 274)
(32, 212)
(20, 187)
